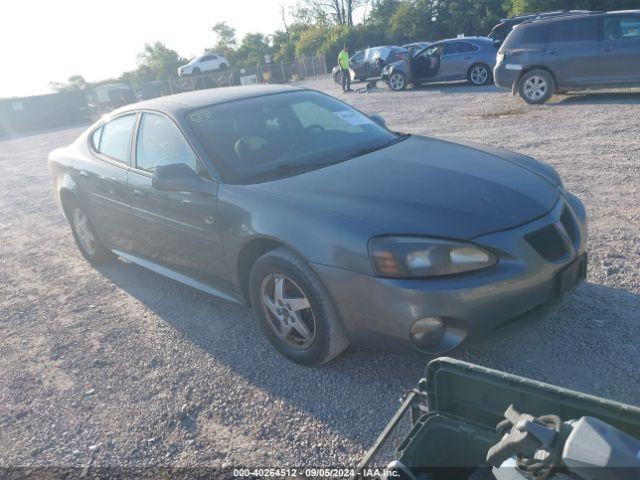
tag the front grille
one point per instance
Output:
(569, 224)
(548, 243)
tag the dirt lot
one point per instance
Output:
(122, 367)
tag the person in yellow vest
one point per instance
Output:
(343, 61)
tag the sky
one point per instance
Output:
(50, 40)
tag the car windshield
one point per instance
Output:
(274, 136)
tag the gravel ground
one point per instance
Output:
(120, 366)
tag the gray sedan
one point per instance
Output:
(333, 228)
(470, 58)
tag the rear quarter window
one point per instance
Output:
(534, 35)
(115, 140)
(95, 139)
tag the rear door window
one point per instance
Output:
(450, 48)
(115, 141)
(466, 47)
(622, 28)
(583, 30)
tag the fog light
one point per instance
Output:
(427, 332)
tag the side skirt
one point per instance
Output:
(178, 277)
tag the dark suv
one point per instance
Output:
(543, 57)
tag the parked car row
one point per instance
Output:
(471, 58)
(534, 55)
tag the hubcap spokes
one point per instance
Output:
(535, 87)
(83, 230)
(288, 310)
(479, 75)
(396, 81)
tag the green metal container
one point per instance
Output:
(451, 417)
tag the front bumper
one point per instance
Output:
(379, 312)
(387, 70)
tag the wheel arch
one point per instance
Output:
(67, 197)
(535, 67)
(250, 252)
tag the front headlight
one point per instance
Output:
(407, 257)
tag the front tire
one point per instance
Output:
(294, 309)
(536, 86)
(397, 81)
(85, 235)
(479, 74)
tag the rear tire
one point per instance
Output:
(85, 235)
(479, 74)
(536, 86)
(300, 321)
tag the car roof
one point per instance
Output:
(553, 13)
(467, 39)
(385, 46)
(565, 18)
(180, 102)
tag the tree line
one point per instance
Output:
(322, 27)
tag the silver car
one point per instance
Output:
(471, 58)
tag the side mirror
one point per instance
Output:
(178, 177)
(378, 119)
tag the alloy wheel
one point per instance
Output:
(288, 310)
(84, 231)
(479, 75)
(535, 87)
(396, 81)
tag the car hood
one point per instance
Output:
(425, 186)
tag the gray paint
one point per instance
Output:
(419, 186)
(582, 64)
(452, 67)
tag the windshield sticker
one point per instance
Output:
(352, 117)
(198, 117)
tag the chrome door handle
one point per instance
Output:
(138, 193)
(552, 51)
(83, 173)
